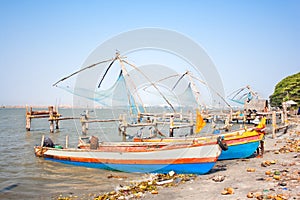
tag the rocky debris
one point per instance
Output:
(117, 177)
(292, 145)
(283, 175)
(268, 163)
(218, 178)
(227, 191)
(151, 185)
(276, 177)
(251, 169)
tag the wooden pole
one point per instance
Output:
(87, 118)
(67, 141)
(191, 124)
(56, 121)
(139, 117)
(171, 133)
(28, 118)
(156, 131)
(85, 123)
(227, 125)
(124, 124)
(28, 122)
(273, 124)
(83, 126)
(42, 142)
(50, 108)
(124, 134)
(57, 124)
(120, 124)
(51, 126)
(282, 117)
(284, 112)
(191, 130)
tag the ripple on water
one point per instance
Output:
(27, 177)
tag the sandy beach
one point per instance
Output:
(274, 176)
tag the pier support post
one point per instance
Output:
(282, 117)
(28, 122)
(191, 124)
(84, 123)
(50, 108)
(51, 126)
(28, 118)
(43, 139)
(191, 130)
(124, 135)
(284, 108)
(156, 131)
(120, 125)
(124, 125)
(56, 117)
(273, 124)
(57, 124)
(171, 133)
(87, 116)
(83, 126)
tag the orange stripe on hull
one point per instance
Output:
(140, 161)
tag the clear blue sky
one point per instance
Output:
(251, 42)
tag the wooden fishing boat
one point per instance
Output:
(241, 143)
(160, 157)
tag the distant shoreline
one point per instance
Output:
(35, 106)
(66, 106)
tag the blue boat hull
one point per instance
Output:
(192, 168)
(239, 151)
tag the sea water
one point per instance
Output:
(24, 176)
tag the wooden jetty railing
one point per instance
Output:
(175, 120)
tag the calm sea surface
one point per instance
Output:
(24, 176)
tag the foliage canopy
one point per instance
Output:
(287, 89)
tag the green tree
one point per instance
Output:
(287, 89)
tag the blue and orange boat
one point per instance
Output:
(240, 144)
(160, 157)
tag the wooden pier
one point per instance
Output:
(153, 121)
(52, 114)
